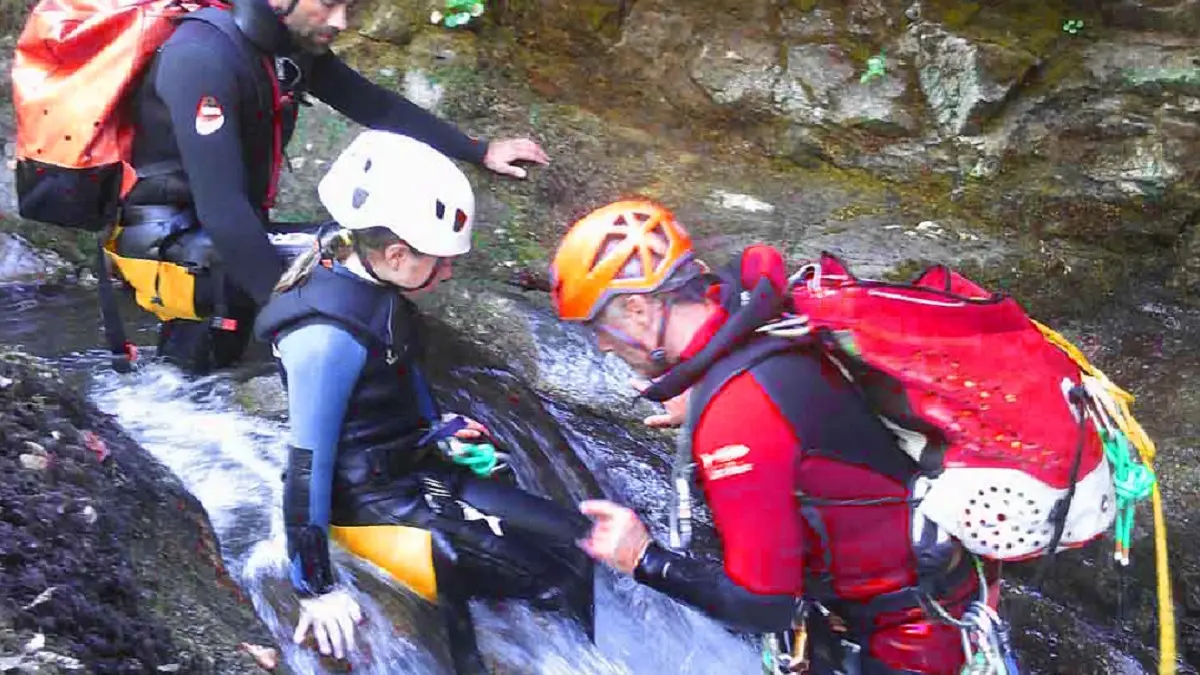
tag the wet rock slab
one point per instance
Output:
(20, 261)
(107, 565)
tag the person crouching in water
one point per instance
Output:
(371, 457)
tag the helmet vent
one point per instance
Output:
(359, 198)
(611, 241)
(460, 220)
(440, 209)
(657, 243)
(367, 166)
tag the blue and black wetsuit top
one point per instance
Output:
(348, 352)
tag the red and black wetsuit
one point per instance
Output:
(783, 442)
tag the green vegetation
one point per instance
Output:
(12, 15)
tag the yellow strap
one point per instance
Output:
(1121, 400)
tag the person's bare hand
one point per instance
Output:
(618, 537)
(473, 431)
(503, 154)
(676, 408)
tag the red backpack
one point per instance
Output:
(1012, 429)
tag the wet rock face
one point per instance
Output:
(964, 82)
(1187, 275)
(1084, 130)
(102, 552)
(395, 22)
(21, 262)
(1172, 16)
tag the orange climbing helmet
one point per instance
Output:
(629, 246)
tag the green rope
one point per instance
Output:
(478, 457)
(1132, 482)
(768, 658)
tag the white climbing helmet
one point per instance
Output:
(388, 180)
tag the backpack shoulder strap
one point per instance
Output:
(710, 382)
(824, 407)
(223, 21)
(258, 64)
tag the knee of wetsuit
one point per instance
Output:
(228, 346)
(199, 348)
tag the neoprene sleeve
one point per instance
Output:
(704, 585)
(214, 159)
(369, 104)
(322, 363)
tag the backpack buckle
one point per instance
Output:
(224, 323)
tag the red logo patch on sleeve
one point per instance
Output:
(209, 116)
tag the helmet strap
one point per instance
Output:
(658, 355)
(424, 284)
(362, 259)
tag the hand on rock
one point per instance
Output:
(503, 154)
(676, 408)
(332, 617)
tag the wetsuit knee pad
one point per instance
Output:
(542, 519)
(552, 578)
(538, 537)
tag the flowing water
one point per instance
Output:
(232, 461)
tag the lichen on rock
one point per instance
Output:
(965, 82)
(105, 559)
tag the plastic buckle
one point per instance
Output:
(223, 323)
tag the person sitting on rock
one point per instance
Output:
(764, 430)
(373, 463)
(213, 126)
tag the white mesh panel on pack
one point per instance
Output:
(1004, 513)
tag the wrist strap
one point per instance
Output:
(654, 563)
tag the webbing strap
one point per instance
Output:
(220, 319)
(123, 352)
(1058, 514)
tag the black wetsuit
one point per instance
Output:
(206, 145)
